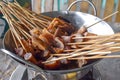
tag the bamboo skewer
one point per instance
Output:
(39, 15)
(23, 31)
(22, 19)
(109, 42)
(13, 30)
(79, 54)
(18, 25)
(22, 16)
(14, 39)
(96, 57)
(112, 48)
(94, 53)
(28, 14)
(73, 54)
(103, 19)
(98, 36)
(8, 13)
(96, 40)
(18, 37)
(93, 47)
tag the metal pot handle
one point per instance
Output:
(90, 2)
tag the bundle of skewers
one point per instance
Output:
(54, 43)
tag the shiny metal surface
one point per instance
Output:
(21, 70)
(19, 59)
(78, 19)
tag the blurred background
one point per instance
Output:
(104, 8)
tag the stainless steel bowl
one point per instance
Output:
(77, 19)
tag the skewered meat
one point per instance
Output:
(64, 61)
(30, 57)
(59, 47)
(42, 55)
(46, 54)
(67, 39)
(61, 26)
(88, 34)
(53, 25)
(38, 43)
(52, 65)
(35, 32)
(53, 40)
(20, 51)
(82, 30)
(27, 45)
(59, 32)
(77, 35)
(47, 37)
(81, 62)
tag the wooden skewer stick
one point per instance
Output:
(8, 11)
(22, 30)
(17, 15)
(44, 23)
(18, 37)
(14, 39)
(96, 40)
(103, 19)
(101, 53)
(15, 33)
(25, 34)
(41, 23)
(27, 13)
(99, 36)
(90, 48)
(39, 15)
(12, 28)
(97, 57)
(21, 19)
(73, 54)
(83, 43)
(94, 53)
(110, 42)
(113, 48)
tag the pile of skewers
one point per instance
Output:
(53, 43)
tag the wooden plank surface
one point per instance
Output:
(118, 15)
(109, 7)
(49, 4)
(36, 6)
